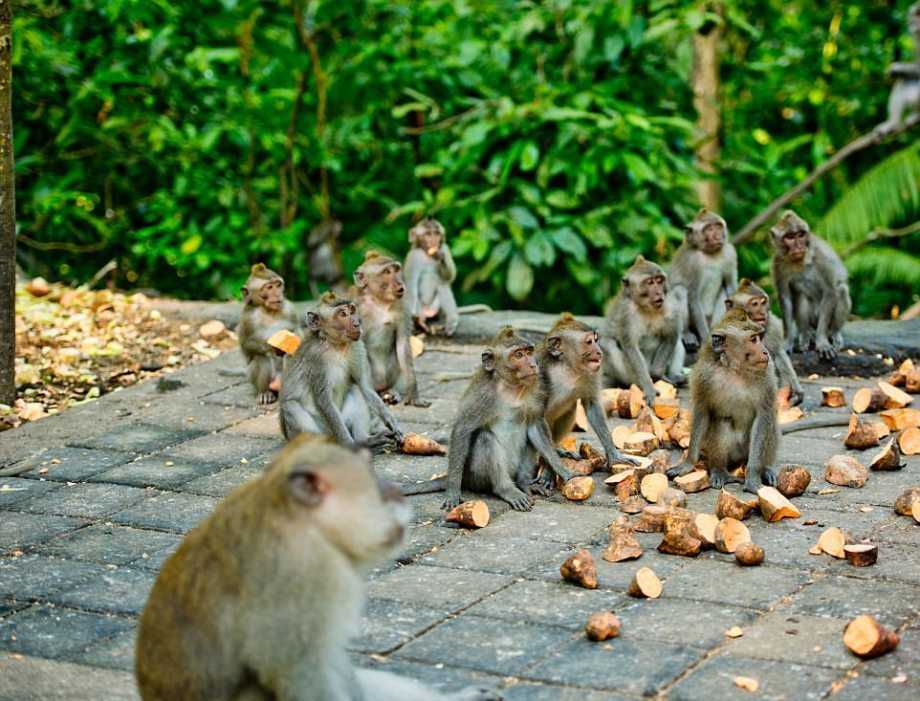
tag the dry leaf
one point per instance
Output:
(747, 683)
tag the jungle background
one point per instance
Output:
(555, 140)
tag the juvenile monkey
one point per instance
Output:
(643, 328)
(733, 397)
(260, 600)
(756, 303)
(265, 312)
(379, 293)
(904, 99)
(327, 386)
(707, 266)
(570, 370)
(430, 270)
(811, 284)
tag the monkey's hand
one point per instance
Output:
(413, 400)
(379, 442)
(451, 501)
(678, 380)
(420, 323)
(543, 484)
(681, 469)
(767, 477)
(267, 398)
(825, 349)
(801, 342)
(795, 396)
(450, 329)
(563, 453)
(618, 458)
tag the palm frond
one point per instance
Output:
(883, 265)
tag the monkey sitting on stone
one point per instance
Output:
(265, 312)
(756, 303)
(260, 600)
(643, 328)
(904, 99)
(430, 270)
(811, 284)
(327, 387)
(732, 403)
(379, 293)
(706, 265)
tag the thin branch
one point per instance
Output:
(62, 245)
(882, 234)
(448, 122)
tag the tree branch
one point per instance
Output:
(880, 234)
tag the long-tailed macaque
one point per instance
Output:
(570, 370)
(642, 332)
(260, 600)
(430, 270)
(811, 284)
(326, 387)
(265, 312)
(752, 299)
(732, 400)
(707, 266)
(904, 99)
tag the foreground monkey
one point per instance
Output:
(732, 396)
(752, 299)
(260, 600)
(327, 387)
(430, 270)
(265, 311)
(643, 330)
(904, 99)
(811, 284)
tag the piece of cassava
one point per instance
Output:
(666, 408)
(645, 583)
(693, 481)
(652, 484)
(470, 514)
(641, 470)
(679, 431)
(672, 497)
(868, 399)
(619, 434)
(580, 569)
(581, 418)
(868, 638)
(569, 443)
(861, 554)
(665, 389)
(609, 399)
(909, 441)
(730, 506)
(284, 341)
(915, 510)
(659, 461)
(894, 398)
(680, 536)
(749, 554)
(833, 397)
(624, 484)
(899, 419)
(912, 382)
(579, 467)
(416, 346)
(905, 501)
(648, 422)
(623, 544)
(729, 534)
(652, 517)
(833, 540)
(792, 481)
(640, 443)
(899, 377)
(861, 435)
(630, 402)
(578, 488)
(214, 327)
(783, 397)
(845, 471)
(881, 429)
(888, 458)
(602, 625)
(706, 528)
(414, 444)
(633, 505)
(597, 458)
(774, 506)
(789, 415)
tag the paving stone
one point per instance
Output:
(109, 544)
(904, 660)
(677, 621)
(169, 511)
(505, 556)
(617, 575)
(23, 530)
(219, 484)
(34, 679)
(545, 692)
(388, 625)
(263, 426)
(550, 521)
(864, 688)
(33, 576)
(224, 448)
(123, 590)
(8, 606)
(409, 468)
(15, 490)
(84, 499)
(240, 395)
(75, 464)
(425, 539)
(844, 597)
(785, 543)
(755, 587)
(138, 438)
(154, 559)
(55, 633)
(115, 653)
(438, 587)
(153, 471)
(200, 416)
(442, 677)
(797, 638)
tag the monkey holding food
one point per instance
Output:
(260, 600)
(265, 312)
(430, 270)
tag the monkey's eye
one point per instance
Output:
(519, 354)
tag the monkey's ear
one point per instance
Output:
(359, 280)
(718, 342)
(488, 361)
(308, 488)
(244, 292)
(554, 344)
(313, 321)
(728, 305)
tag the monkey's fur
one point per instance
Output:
(733, 397)
(904, 99)
(811, 285)
(430, 270)
(265, 312)
(259, 602)
(643, 328)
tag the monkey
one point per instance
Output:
(260, 600)
(756, 303)
(570, 370)
(265, 311)
(732, 398)
(323, 255)
(326, 387)
(811, 284)
(643, 328)
(904, 99)
(379, 293)
(706, 264)
(430, 270)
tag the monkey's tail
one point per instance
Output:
(815, 422)
(436, 484)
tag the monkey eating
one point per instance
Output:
(260, 600)
(379, 293)
(904, 99)
(706, 265)
(327, 388)
(430, 270)
(643, 328)
(265, 311)
(811, 284)
(756, 303)
(732, 398)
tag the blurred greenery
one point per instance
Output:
(555, 140)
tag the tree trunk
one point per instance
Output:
(706, 101)
(7, 212)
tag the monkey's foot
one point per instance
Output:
(618, 458)
(380, 441)
(541, 489)
(267, 398)
(718, 478)
(415, 401)
(518, 500)
(837, 341)
(474, 693)
(825, 349)
(802, 342)
(451, 502)
(563, 453)
(682, 469)
(769, 477)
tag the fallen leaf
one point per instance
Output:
(734, 632)
(747, 683)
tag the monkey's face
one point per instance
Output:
(712, 238)
(521, 364)
(590, 352)
(651, 292)
(430, 241)
(345, 323)
(795, 243)
(756, 355)
(757, 308)
(387, 284)
(271, 295)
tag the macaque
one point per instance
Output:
(756, 303)
(904, 99)
(379, 293)
(430, 270)
(265, 312)
(327, 387)
(811, 284)
(570, 369)
(643, 330)
(707, 266)
(260, 600)
(732, 403)
(323, 255)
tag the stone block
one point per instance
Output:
(168, 511)
(56, 633)
(83, 499)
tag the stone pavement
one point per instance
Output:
(103, 493)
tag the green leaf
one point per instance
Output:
(523, 216)
(638, 167)
(539, 250)
(520, 278)
(567, 240)
(530, 156)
